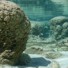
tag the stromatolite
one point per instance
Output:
(14, 30)
(59, 27)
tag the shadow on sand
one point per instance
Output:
(36, 62)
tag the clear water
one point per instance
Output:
(41, 41)
(40, 12)
(43, 9)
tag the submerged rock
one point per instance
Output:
(14, 30)
(53, 55)
(59, 27)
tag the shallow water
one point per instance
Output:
(39, 61)
(40, 13)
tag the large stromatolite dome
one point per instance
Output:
(59, 27)
(14, 30)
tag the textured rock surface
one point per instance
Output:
(59, 27)
(14, 30)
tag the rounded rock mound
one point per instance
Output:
(59, 27)
(14, 30)
(58, 20)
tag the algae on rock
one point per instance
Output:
(14, 30)
(59, 27)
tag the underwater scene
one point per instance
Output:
(33, 33)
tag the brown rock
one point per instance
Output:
(14, 30)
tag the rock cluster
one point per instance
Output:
(59, 27)
(14, 30)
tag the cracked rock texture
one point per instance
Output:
(59, 27)
(14, 30)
